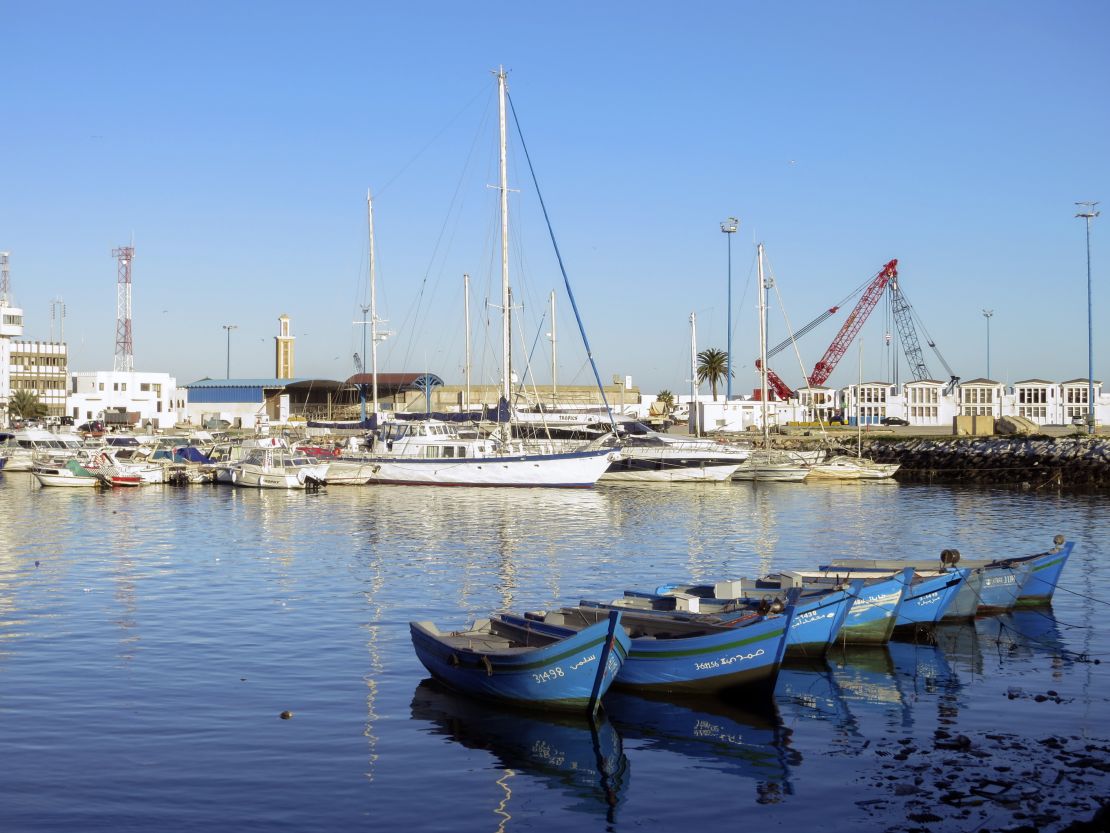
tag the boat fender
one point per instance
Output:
(1059, 541)
(950, 557)
(764, 606)
(453, 661)
(777, 606)
(488, 665)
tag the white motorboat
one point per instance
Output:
(117, 472)
(22, 447)
(277, 468)
(650, 456)
(67, 473)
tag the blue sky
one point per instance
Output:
(236, 141)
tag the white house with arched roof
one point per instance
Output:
(925, 403)
(981, 397)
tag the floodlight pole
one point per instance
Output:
(1088, 213)
(728, 227)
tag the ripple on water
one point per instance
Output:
(146, 659)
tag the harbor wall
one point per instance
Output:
(1022, 462)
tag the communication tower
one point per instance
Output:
(58, 314)
(125, 350)
(5, 280)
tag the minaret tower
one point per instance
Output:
(283, 342)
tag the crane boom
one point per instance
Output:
(855, 321)
(907, 333)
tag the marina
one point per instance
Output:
(412, 560)
(153, 638)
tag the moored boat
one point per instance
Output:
(929, 593)
(67, 473)
(873, 615)
(274, 468)
(432, 452)
(685, 655)
(525, 663)
(819, 613)
(993, 585)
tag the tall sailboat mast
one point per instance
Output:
(694, 373)
(466, 316)
(373, 305)
(762, 342)
(506, 383)
(554, 364)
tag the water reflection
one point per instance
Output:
(713, 733)
(582, 758)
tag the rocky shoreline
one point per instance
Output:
(1023, 462)
(1027, 462)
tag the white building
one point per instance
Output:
(150, 398)
(40, 367)
(11, 327)
(925, 402)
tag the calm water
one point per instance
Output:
(149, 640)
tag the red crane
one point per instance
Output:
(850, 329)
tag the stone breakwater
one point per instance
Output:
(1021, 462)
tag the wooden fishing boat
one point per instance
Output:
(685, 655)
(510, 659)
(819, 613)
(874, 613)
(929, 593)
(993, 585)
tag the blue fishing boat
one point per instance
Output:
(1044, 572)
(548, 668)
(928, 596)
(819, 613)
(685, 655)
(991, 585)
(874, 612)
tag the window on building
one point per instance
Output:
(144, 387)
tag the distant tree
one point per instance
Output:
(24, 404)
(667, 398)
(712, 368)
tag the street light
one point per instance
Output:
(1088, 213)
(229, 328)
(728, 227)
(987, 313)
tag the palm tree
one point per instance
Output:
(667, 398)
(24, 404)
(712, 368)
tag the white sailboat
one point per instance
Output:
(768, 464)
(433, 452)
(846, 467)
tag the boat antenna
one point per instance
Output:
(562, 268)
